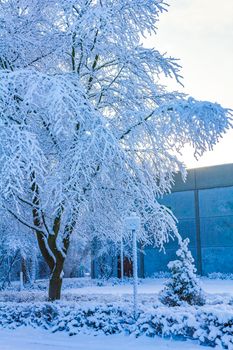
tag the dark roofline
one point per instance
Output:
(205, 177)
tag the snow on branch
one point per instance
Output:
(87, 132)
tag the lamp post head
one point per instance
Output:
(132, 222)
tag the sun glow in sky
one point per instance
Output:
(200, 33)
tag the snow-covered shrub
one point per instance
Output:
(220, 276)
(183, 287)
(160, 274)
(210, 325)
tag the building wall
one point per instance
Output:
(216, 225)
(204, 208)
(182, 205)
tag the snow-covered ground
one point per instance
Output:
(85, 289)
(151, 286)
(218, 291)
(31, 339)
(84, 293)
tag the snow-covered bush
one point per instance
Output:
(184, 285)
(160, 274)
(220, 276)
(209, 325)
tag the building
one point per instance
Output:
(203, 206)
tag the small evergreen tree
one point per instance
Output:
(184, 285)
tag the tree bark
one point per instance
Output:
(25, 270)
(55, 282)
(55, 285)
(54, 256)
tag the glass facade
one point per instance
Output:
(182, 205)
(203, 206)
(209, 216)
(216, 226)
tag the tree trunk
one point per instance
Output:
(47, 241)
(55, 282)
(55, 288)
(25, 270)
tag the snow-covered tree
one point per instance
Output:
(18, 251)
(184, 286)
(78, 260)
(87, 132)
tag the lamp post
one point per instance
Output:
(133, 224)
(21, 281)
(122, 260)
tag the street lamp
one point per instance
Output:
(122, 259)
(133, 224)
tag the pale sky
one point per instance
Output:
(200, 33)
